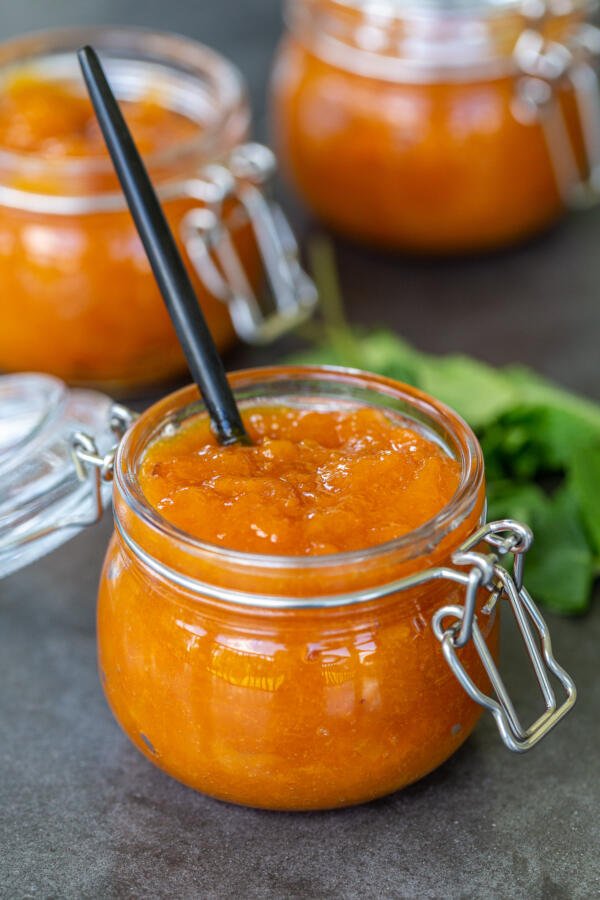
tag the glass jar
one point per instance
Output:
(80, 301)
(296, 682)
(438, 128)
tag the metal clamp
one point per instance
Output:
(92, 466)
(505, 537)
(544, 67)
(207, 235)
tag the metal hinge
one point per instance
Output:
(544, 67)
(94, 467)
(210, 245)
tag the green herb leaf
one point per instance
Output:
(476, 391)
(584, 480)
(537, 391)
(559, 570)
(511, 500)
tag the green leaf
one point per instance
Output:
(476, 391)
(511, 500)
(565, 434)
(584, 480)
(559, 569)
(385, 354)
(529, 441)
(537, 391)
(380, 352)
(513, 445)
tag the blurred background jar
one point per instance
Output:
(78, 297)
(438, 127)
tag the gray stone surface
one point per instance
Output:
(83, 815)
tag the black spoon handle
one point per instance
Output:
(170, 273)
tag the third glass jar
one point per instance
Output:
(442, 128)
(78, 297)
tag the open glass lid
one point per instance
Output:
(48, 488)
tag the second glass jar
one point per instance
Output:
(438, 128)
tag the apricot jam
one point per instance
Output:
(311, 483)
(56, 120)
(250, 643)
(79, 298)
(403, 126)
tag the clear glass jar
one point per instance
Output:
(80, 301)
(292, 682)
(438, 128)
(274, 681)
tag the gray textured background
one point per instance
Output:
(83, 815)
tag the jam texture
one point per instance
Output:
(311, 483)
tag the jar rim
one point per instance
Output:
(406, 41)
(405, 547)
(420, 9)
(135, 44)
(423, 9)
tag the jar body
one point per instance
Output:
(287, 711)
(227, 675)
(84, 304)
(81, 301)
(433, 164)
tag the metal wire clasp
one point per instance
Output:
(544, 66)
(92, 466)
(207, 234)
(505, 537)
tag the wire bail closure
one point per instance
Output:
(206, 232)
(543, 66)
(505, 537)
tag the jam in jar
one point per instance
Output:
(79, 298)
(437, 127)
(278, 624)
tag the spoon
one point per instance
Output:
(171, 275)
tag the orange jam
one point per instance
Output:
(80, 300)
(311, 483)
(252, 640)
(390, 150)
(56, 120)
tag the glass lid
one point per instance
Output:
(46, 495)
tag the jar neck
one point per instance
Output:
(179, 74)
(246, 579)
(422, 43)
